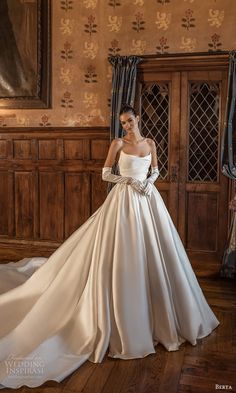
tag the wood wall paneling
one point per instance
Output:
(11, 204)
(4, 191)
(98, 191)
(22, 149)
(47, 149)
(76, 149)
(51, 201)
(50, 183)
(3, 149)
(24, 205)
(77, 201)
(99, 149)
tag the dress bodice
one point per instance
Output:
(134, 166)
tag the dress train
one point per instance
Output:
(122, 282)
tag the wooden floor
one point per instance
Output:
(200, 369)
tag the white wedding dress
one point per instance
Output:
(122, 282)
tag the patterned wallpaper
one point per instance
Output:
(85, 32)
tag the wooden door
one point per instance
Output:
(182, 109)
(203, 190)
(160, 120)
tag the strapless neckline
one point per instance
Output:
(133, 155)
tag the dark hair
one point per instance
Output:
(127, 108)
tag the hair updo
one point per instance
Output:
(127, 108)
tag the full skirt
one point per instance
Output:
(122, 282)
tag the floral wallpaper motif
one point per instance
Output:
(85, 32)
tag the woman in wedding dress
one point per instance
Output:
(120, 283)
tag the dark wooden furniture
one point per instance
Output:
(182, 101)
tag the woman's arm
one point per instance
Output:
(107, 174)
(115, 147)
(154, 169)
(153, 151)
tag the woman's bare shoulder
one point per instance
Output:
(116, 144)
(151, 142)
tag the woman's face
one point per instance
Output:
(129, 122)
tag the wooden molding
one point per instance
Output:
(183, 62)
(81, 132)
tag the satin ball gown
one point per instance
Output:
(121, 283)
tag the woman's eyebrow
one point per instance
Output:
(123, 121)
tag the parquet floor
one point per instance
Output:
(208, 367)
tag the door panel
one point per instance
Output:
(160, 111)
(201, 185)
(201, 228)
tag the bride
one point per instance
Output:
(120, 283)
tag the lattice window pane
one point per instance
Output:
(155, 121)
(203, 132)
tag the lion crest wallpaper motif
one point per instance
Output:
(85, 32)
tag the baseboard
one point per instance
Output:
(12, 250)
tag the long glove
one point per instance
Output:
(148, 183)
(110, 177)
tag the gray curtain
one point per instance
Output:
(228, 268)
(228, 148)
(124, 76)
(228, 158)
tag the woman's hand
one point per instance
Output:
(137, 185)
(148, 187)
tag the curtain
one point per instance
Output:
(228, 151)
(124, 76)
(228, 158)
(228, 268)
